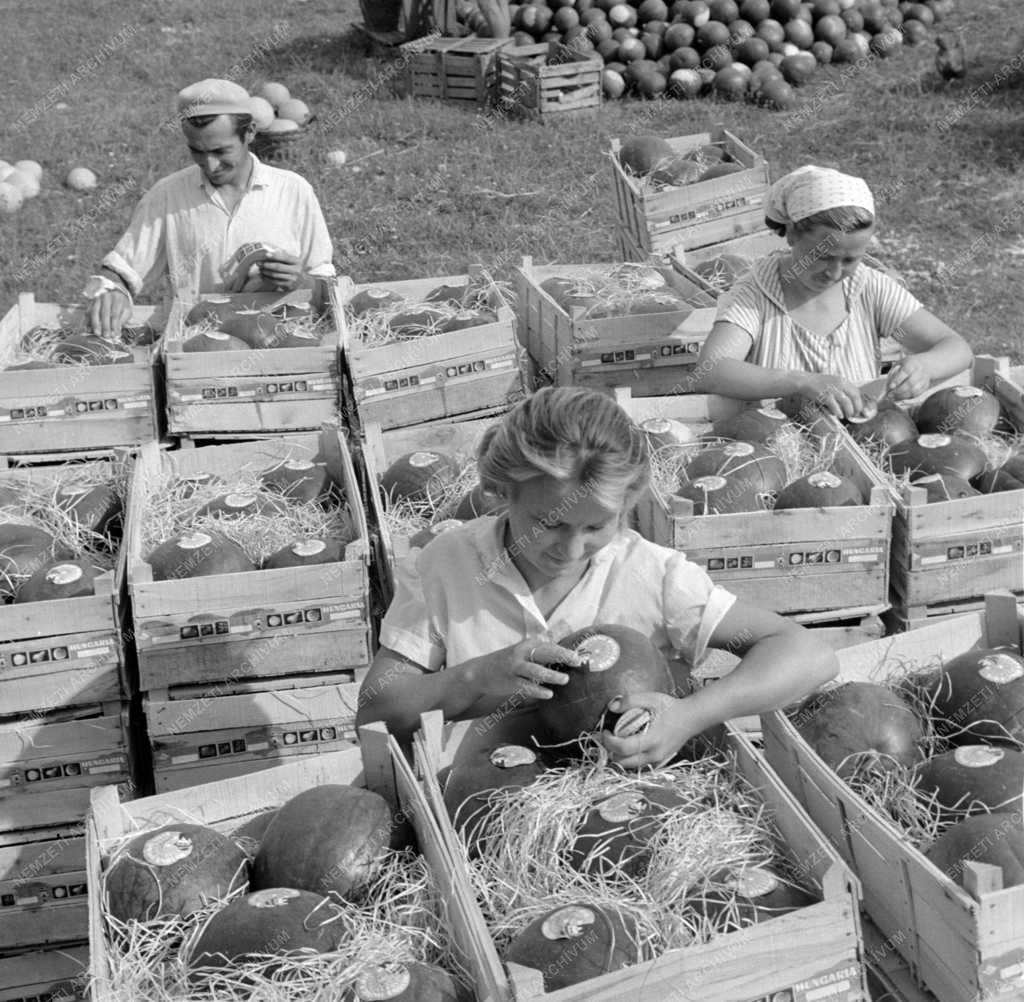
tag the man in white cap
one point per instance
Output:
(228, 223)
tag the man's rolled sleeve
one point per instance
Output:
(318, 251)
(141, 252)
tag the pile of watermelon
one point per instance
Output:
(731, 49)
(238, 323)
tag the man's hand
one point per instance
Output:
(281, 271)
(108, 313)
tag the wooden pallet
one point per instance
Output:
(788, 957)
(547, 80)
(263, 391)
(207, 738)
(824, 561)
(464, 70)
(962, 946)
(948, 553)
(653, 353)
(431, 378)
(59, 975)
(697, 214)
(267, 623)
(77, 409)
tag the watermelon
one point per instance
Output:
(742, 491)
(615, 834)
(477, 502)
(887, 426)
(644, 153)
(752, 894)
(240, 504)
(95, 509)
(431, 532)
(299, 479)
(276, 921)
(973, 779)
(173, 871)
(372, 299)
(1008, 476)
(617, 660)
(981, 693)
(197, 554)
(252, 326)
(306, 553)
(290, 312)
(575, 942)
(730, 459)
(58, 579)
(942, 454)
(667, 431)
(23, 550)
(9, 496)
(966, 409)
(211, 310)
(405, 981)
(466, 318)
(213, 341)
(996, 839)
(568, 293)
(451, 294)
(329, 838)
(944, 487)
(469, 781)
(418, 476)
(755, 424)
(187, 484)
(417, 320)
(856, 719)
(819, 490)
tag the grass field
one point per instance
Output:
(431, 188)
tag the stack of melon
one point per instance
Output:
(275, 112)
(956, 443)
(583, 869)
(732, 49)
(324, 894)
(237, 323)
(19, 182)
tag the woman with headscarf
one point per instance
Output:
(807, 321)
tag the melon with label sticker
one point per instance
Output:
(57, 580)
(979, 695)
(405, 981)
(418, 476)
(974, 779)
(938, 453)
(306, 553)
(197, 554)
(822, 489)
(756, 424)
(967, 409)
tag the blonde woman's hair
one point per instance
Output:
(573, 435)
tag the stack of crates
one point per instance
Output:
(65, 728)
(238, 672)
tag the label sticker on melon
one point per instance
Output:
(933, 441)
(421, 459)
(1000, 668)
(977, 756)
(738, 449)
(569, 922)
(193, 541)
(217, 335)
(167, 848)
(308, 547)
(824, 479)
(656, 425)
(622, 807)
(711, 483)
(967, 391)
(74, 490)
(299, 464)
(385, 981)
(239, 500)
(599, 651)
(512, 756)
(217, 300)
(64, 574)
(444, 525)
(772, 412)
(272, 897)
(754, 882)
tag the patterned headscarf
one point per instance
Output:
(807, 190)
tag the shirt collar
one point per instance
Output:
(258, 178)
(767, 274)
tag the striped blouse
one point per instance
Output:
(876, 307)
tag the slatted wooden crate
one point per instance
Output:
(814, 564)
(963, 946)
(653, 353)
(263, 391)
(381, 449)
(697, 214)
(225, 630)
(750, 247)
(247, 801)
(548, 79)
(455, 69)
(207, 738)
(947, 554)
(445, 375)
(46, 976)
(71, 411)
(814, 952)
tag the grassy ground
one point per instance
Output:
(431, 188)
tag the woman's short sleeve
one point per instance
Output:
(743, 305)
(693, 606)
(407, 626)
(890, 303)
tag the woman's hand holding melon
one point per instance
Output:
(522, 669)
(673, 722)
(836, 395)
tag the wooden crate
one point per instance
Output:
(962, 946)
(698, 214)
(654, 353)
(814, 952)
(257, 624)
(751, 246)
(76, 410)
(62, 652)
(381, 449)
(811, 563)
(46, 976)
(263, 391)
(231, 803)
(431, 378)
(949, 553)
(548, 79)
(455, 69)
(202, 739)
